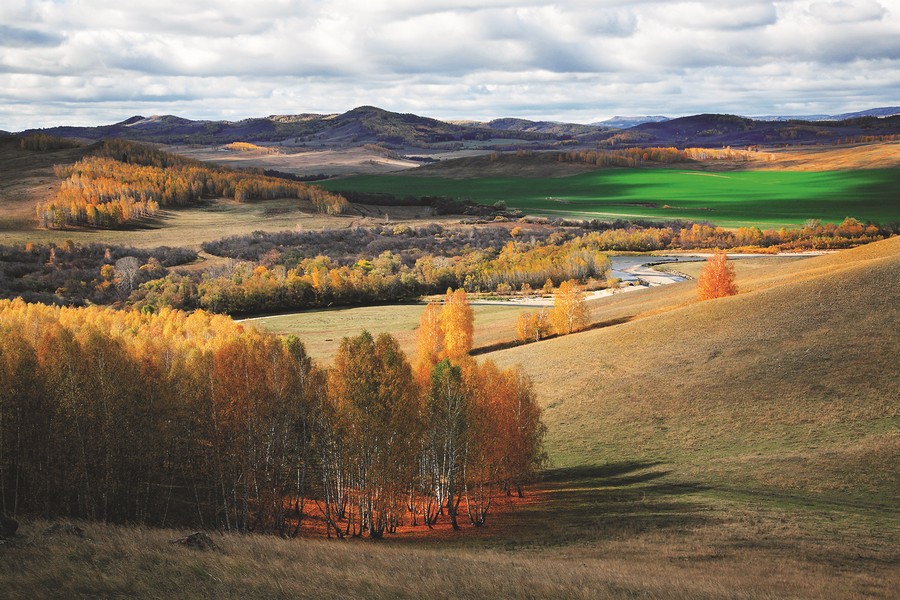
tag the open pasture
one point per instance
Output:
(767, 199)
(322, 330)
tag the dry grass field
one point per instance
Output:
(348, 161)
(322, 330)
(26, 179)
(882, 155)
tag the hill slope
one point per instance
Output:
(787, 391)
(716, 130)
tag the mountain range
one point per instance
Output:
(371, 125)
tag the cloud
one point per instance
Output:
(847, 12)
(577, 60)
(16, 36)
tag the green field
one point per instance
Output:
(761, 198)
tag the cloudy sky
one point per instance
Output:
(101, 61)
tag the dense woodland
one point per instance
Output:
(73, 274)
(120, 182)
(177, 418)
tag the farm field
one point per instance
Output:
(740, 198)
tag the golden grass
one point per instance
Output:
(803, 359)
(322, 330)
(580, 538)
(879, 155)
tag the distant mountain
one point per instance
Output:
(371, 125)
(791, 117)
(362, 125)
(546, 127)
(627, 122)
(886, 111)
(713, 130)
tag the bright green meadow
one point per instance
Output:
(730, 199)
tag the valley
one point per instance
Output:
(737, 447)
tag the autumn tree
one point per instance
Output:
(448, 409)
(372, 390)
(569, 312)
(532, 326)
(126, 272)
(458, 325)
(429, 341)
(174, 418)
(716, 278)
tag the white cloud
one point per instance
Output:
(98, 60)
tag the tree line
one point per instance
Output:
(321, 281)
(122, 181)
(43, 142)
(637, 156)
(193, 419)
(648, 236)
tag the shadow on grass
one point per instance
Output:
(610, 501)
(513, 343)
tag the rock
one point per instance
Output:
(8, 526)
(197, 540)
(66, 528)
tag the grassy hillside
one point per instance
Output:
(762, 198)
(786, 393)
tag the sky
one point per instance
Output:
(89, 62)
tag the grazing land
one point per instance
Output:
(742, 447)
(322, 330)
(748, 198)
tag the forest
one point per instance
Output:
(120, 182)
(178, 418)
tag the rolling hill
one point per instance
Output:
(371, 125)
(715, 130)
(362, 125)
(784, 394)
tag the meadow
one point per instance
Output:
(737, 448)
(765, 199)
(322, 330)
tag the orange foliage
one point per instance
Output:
(457, 325)
(569, 312)
(124, 181)
(716, 278)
